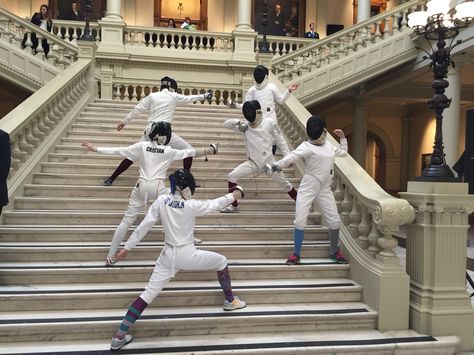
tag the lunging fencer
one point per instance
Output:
(177, 212)
(319, 156)
(155, 156)
(258, 134)
(161, 106)
(266, 94)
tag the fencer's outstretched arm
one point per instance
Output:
(212, 149)
(281, 98)
(184, 99)
(235, 124)
(142, 107)
(203, 207)
(341, 151)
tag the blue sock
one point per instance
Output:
(299, 236)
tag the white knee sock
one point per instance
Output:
(119, 236)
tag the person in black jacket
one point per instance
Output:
(74, 14)
(42, 19)
(5, 162)
(311, 33)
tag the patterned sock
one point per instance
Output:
(132, 315)
(298, 238)
(334, 241)
(187, 163)
(124, 165)
(224, 279)
(293, 193)
(231, 185)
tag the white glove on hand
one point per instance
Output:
(208, 95)
(243, 127)
(215, 146)
(271, 168)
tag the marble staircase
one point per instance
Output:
(56, 295)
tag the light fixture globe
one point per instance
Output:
(418, 19)
(464, 11)
(437, 7)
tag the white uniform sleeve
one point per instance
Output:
(249, 96)
(149, 221)
(280, 98)
(280, 141)
(203, 207)
(232, 124)
(298, 153)
(142, 107)
(180, 154)
(132, 151)
(184, 99)
(341, 151)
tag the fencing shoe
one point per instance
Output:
(237, 303)
(117, 343)
(231, 209)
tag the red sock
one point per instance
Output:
(293, 193)
(231, 185)
(187, 162)
(124, 165)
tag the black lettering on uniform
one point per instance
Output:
(155, 150)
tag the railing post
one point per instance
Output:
(87, 50)
(436, 260)
(112, 35)
(106, 76)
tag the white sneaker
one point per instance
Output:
(231, 209)
(197, 240)
(110, 261)
(237, 303)
(117, 343)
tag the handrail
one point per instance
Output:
(350, 30)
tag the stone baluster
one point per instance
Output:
(378, 33)
(3, 27)
(387, 242)
(17, 153)
(37, 132)
(355, 218)
(30, 137)
(60, 57)
(23, 143)
(373, 237)
(39, 48)
(346, 206)
(134, 93)
(126, 93)
(364, 229)
(116, 92)
(339, 193)
(18, 37)
(50, 124)
(28, 43)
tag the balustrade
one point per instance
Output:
(71, 31)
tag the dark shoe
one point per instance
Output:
(338, 257)
(108, 182)
(293, 259)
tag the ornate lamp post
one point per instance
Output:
(263, 45)
(438, 24)
(87, 36)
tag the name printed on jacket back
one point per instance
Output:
(155, 150)
(173, 203)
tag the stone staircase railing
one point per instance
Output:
(71, 31)
(280, 45)
(369, 216)
(36, 125)
(356, 53)
(13, 29)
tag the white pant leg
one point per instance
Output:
(161, 275)
(177, 142)
(308, 190)
(327, 205)
(190, 258)
(248, 169)
(282, 181)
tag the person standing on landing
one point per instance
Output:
(266, 94)
(154, 156)
(319, 156)
(177, 212)
(161, 106)
(259, 134)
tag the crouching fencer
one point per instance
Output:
(319, 156)
(161, 106)
(259, 134)
(155, 156)
(177, 212)
(266, 94)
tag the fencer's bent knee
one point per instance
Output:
(221, 263)
(232, 178)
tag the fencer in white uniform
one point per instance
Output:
(154, 156)
(177, 212)
(161, 106)
(266, 94)
(258, 134)
(319, 156)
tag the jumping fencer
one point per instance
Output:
(155, 156)
(177, 212)
(319, 156)
(258, 134)
(161, 105)
(266, 94)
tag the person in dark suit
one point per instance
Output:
(42, 19)
(5, 162)
(74, 14)
(311, 33)
(277, 22)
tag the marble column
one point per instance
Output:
(321, 17)
(359, 130)
(114, 8)
(363, 10)
(451, 117)
(112, 29)
(244, 36)
(245, 15)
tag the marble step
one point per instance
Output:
(68, 251)
(199, 172)
(74, 233)
(52, 217)
(69, 272)
(208, 320)
(334, 342)
(109, 123)
(120, 204)
(50, 297)
(253, 196)
(127, 179)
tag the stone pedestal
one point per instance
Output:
(87, 50)
(436, 260)
(111, 35)
(265, 59)
(244, 46)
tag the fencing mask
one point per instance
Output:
(183, 181)
(250, 109)
(316, 130)
(260, 73)
(169, 83)
(160, 131)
